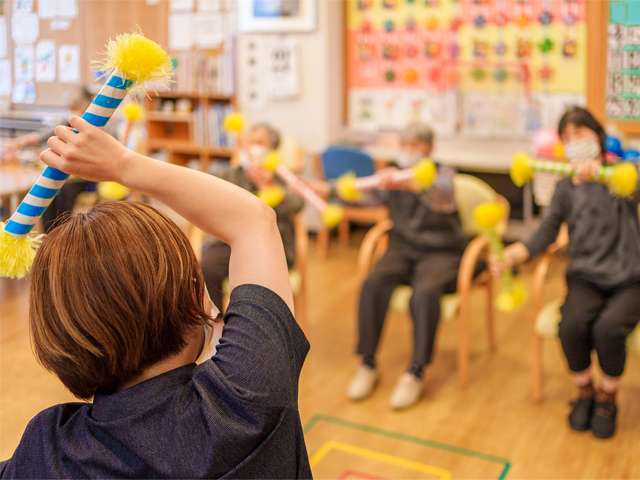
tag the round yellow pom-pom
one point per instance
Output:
(133, 112)
(272, 160)
(520, 170)
(508, 301)
(17, 254)
(624, 180)
(139, 59)
(272, 196)
(332, 216)
(558, 151)
(346, 188)
(234, 122)
(425, 173)
(112, 190)
(489, 214)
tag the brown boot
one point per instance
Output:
(603, 420)
(582, 409)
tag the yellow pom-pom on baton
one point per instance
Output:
(488, 215)
(112, 190)
(17, 254)
(142, 61)
(272, 160)
(520, 170)
(272, 196)
(133, 112)
(234, 122)
(424, 173)
(347, 190)
(133, 62)
(332, 216)
(624, 179)
(511, 300)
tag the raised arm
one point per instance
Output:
(219, 208)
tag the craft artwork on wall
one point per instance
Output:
(279, 16)
(623, 61)
(531, 53)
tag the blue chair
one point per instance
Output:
(334, 162)
(338, 160)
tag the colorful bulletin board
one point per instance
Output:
(623, 61)
(478, 67)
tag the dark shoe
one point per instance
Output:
(603, 421)
(582, 409)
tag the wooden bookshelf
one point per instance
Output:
(174, 132)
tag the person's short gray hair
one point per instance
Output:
(272, 134)
(77, 97)
(419, 131)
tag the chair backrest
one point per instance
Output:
(470, 192)
(291, 153)
(338, 160)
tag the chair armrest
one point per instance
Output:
(542, 270)
(468, 263)
(368, 247)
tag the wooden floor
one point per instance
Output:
(490, 428)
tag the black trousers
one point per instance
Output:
(63, 203)
(597, 318)
(430, 274)
(215, 268)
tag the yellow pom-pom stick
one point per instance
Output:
(520, 170)
(133, 112)
(112, 191)
(622, 178)
(488, 216)
(140, 61)
(272, 196)
(234, 123)
(331, 214)
(347, 188)
(272, 161)
(423, 174)
(135, 61)
(17, 254)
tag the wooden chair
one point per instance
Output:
(332, 163)
(469, 193)
(546, 316)
(297, 274)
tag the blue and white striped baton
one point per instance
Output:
(50, 182)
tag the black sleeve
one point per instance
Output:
(262, 348)
(550, 226)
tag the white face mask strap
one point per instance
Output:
(208, 329)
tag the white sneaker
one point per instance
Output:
(407, 391)
(363, 383)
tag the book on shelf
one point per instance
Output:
(205, 72)
(207, 126)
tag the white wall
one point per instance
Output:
(314, 118)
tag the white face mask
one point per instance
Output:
(408, 159)
(584, 149)
(258, 152)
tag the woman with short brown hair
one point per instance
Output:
(118, 311)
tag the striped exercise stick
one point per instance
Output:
(51, 180)
(622, 178)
